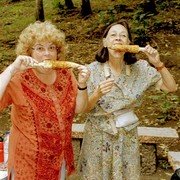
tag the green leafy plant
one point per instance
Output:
(168, 106)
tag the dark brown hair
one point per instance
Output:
(103, 55)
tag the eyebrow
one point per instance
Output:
(42, 44)
(116, 31)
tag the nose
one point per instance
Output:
(46, 52)
(118, 38)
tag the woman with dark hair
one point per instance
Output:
(110, 148)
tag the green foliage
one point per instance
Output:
(168, 104)
(106, 17)
(141, 24)
(164, 164)
(57, 4)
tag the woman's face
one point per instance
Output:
(44, 51)
(117, 34)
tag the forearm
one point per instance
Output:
(81, 100)
(5, 78)
(93, 99)
(168, 80)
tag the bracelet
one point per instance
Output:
(81, 89)
(160, 67)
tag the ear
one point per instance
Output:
(104, 42)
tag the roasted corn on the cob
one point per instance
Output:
(127, 48)
(56, 64)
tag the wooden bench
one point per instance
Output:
(174, 159)
(149, 137)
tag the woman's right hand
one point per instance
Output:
(22, 63)
(104, 87)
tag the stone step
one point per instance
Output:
(158, 135)
(152, 135)
(174, 159)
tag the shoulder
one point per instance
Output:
(142, 66)
(95, 65)
(141, 63)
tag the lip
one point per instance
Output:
(118, 44)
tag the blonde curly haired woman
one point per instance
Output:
(44, 102)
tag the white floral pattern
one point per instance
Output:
(105, 155)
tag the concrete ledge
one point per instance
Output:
(174, 159)
(151, 135)
(157, 135)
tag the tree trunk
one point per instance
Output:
(150, 6)
(86, 8)
(39, 10)
(69, 4)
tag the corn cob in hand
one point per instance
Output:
(56, 64)
(127, 48)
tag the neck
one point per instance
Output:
(116, 64)
(46, 77)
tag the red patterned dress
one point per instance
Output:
(41, 117)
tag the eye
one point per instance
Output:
(113, 35)
(123, 35)
(39, 48)
(52, 48)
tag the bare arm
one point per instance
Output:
(82, 95)
(21, 63)
(168, 83)
(5, 78)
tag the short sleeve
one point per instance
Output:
(151, 75)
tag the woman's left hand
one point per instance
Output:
(153, 55)
(83, 75)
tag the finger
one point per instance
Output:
(106, 91)
(106, 87)
(83, 74)
(81, 67)
(106, 84)
(84, 71)
(33, 62)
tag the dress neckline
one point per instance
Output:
(39, 80)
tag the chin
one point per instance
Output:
(44, 71)
(118, 54)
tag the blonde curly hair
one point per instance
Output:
(40, 32)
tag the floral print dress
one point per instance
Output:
(106, 154)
